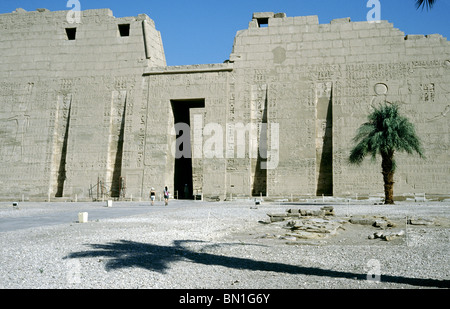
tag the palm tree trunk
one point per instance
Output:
(387, 165)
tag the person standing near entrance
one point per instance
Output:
(186, 191)
(166, 196)
(152, 195)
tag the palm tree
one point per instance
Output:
(425, 3)
(385, 132)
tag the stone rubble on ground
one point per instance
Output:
(319, 224)
(202, 245)
(307, 224)
(386, 235)
(420, 221)
(375, 221)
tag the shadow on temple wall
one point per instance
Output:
(117, 172)
(125, 254)
(63, 159)
(325, 169)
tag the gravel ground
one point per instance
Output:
(221, 245)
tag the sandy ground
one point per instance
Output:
(217, 245)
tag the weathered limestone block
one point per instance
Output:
(420, 221)
(324, 211)
(306, 235)
(387, 235)
(375, 221)
(277, 217)
(314, 225)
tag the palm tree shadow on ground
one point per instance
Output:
(126, 254)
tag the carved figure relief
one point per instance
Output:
(428, 92)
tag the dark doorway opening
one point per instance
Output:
(183, 182)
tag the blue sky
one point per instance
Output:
(202, 31)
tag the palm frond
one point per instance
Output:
(385, 132)
(358, 153)
(425, 3)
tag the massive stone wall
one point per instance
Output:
(66, 90)
(322, 80)
(95, 109)
(200, 92)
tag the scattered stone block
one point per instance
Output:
(362, 220)
(328, 210)
(386, 235)
(83, 217)
(308, 224)
(293, 211)
(324, 211)
(306, 235)
(421, 221)
(290, 238)
(392, 236)
(319, 224)
(277, 217)
(380, 222)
